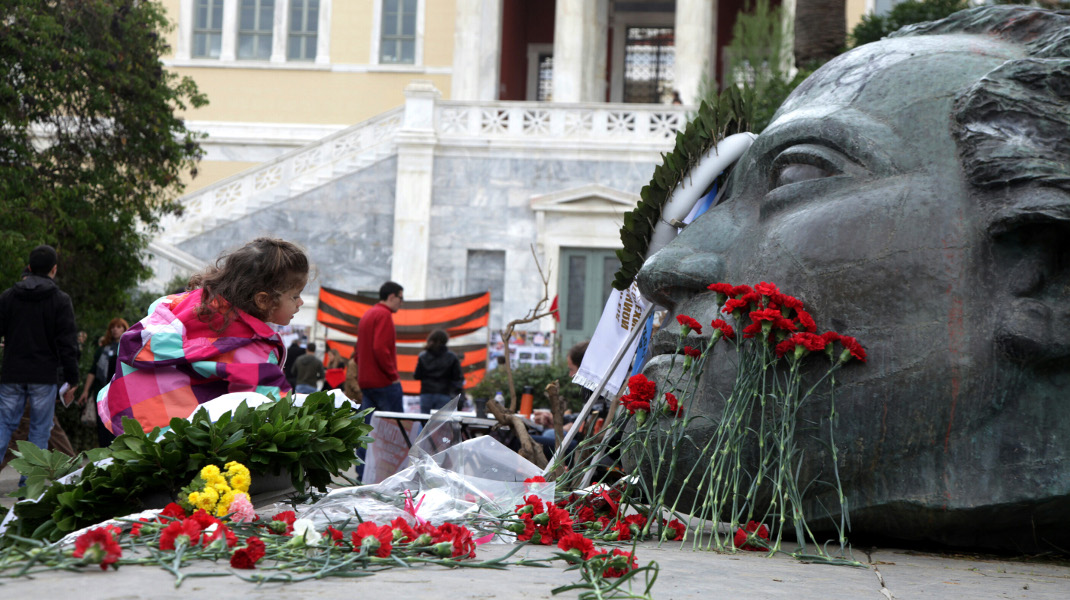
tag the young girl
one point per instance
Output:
(212, 340)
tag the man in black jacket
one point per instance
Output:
(37, 325)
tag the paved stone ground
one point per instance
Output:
(684, 574)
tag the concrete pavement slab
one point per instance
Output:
(684, 574)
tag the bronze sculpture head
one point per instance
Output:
(915, 194)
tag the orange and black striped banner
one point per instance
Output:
(473, 363)
(414, 321)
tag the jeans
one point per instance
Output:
(13, 399)
(429, 402)
(304, 388)
(385, 398)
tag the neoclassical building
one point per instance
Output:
(444, 144)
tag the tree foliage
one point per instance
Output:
(873, 27)
(91, 150)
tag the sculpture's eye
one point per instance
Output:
(802, 162)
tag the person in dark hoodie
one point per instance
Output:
(439, 372)
(37, 325)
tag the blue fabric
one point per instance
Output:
(13, 399)
(304, 388)
(644, 346)
(702, 205)
(429, 402)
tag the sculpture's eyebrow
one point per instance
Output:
(854, 134)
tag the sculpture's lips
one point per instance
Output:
(666, 341)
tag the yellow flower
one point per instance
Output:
(221, 489)
(207, 500)
(209, 472)
(222, 508)
(235, 467)
(240, 482)
(239, 476)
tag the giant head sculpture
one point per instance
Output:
(915, 193)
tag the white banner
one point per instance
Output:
(620, 315)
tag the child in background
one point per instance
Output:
(211, 340)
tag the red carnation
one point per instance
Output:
(584, 514)
(734, 304)
(642, 388)
(529, 528)
(741, 290)
(582, 546)
(677, 528)
(725, 329)
(786, 301)
(283, 523)
(634, 405)
(783, 324)
(811, 341)
(459, 538)
(785, 347)
(688, 324)
(535, 479)
(752, 299)
(721, 288)
(336, 536)
(373, 539)
(241, 559)
(692, 352)
(853, 347)
(177, 529)
(220, 531)
(534, 502)
(98, 545)
(618, 563)
(560, 522)
(246, 558)
(766, 289)
(403, 531)
(752, 330)
(805, 320)
(768, 314)
(174, 511)
(673, 405)
(759, 531)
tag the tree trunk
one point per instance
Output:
(820, 30)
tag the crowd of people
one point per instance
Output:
(213, 338)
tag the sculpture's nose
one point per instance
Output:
(695, 259)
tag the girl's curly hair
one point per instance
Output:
(263, 265)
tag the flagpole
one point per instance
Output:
(586, 410)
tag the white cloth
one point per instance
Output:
(619, 317)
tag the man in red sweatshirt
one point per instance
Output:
(377, 356)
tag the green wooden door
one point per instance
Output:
(585, 284)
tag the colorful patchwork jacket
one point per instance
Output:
(171, 361)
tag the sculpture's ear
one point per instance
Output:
(1031, 251)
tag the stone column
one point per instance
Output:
(412, 195)
(229, 44)
(580, 34)
(477, 42)
(280, 31)
(696, 37)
